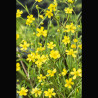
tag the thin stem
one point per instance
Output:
(23, 6)
(73, 89)
(24, 69)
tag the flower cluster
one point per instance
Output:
(23, 91)
(49, 56)
(54, 54)
(30, 19)
(70, 28)
(51, 8)
(18, 13)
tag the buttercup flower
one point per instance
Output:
(76, 73)
(30, 19)
(75, 40)
(41, 78)
(70, 28)
(18, 13)
(70, 1)
(66, 40)
(73, 46)
(69, 83)
(22, 92)
(17, 66)
(40, 49)
(40, 60)
(31, 57)
(24, 46)
(52, 7)
(49, 13)
(41, 31)
(68, 10)
(17, 36)
(51, 45)
(36, 91)
(54, 54)
(51, 73)
(50, 93)
(58, 30)
(64, 72)
(38, 0)
(41, 16)
(71, 52)
(80, 46)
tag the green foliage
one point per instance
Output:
(32, 65)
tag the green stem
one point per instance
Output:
(33, 6)
(23, 6)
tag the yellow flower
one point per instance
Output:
(41, 23)
(59, 74)
(79, 26)
(40, 49)
(54, 54)
(40, 60)
(58, 30)
(70, 28)
(18, 13)
(80, 46)
(22, 92)
(71, 52)
(33, 33)
(69, 83)
(41, 16)
(51, 45)
(17, 66)
(38, 0)
(36, 91)
(24, 46)
(31, 43)
(55, 2)
(40, 44)
(76, 73)
(41, 31)
(66, 40)
(42, 84)
(77, 90)
(49, 13)
(52, 7)
(73, 46)
(41, 78)
(37, 6)
(17, 36)
(75, 40)
(31, 57)
(68, 10)
(51, 73)
(17, 80)
(50, 93)
(30, 19)
(70, 1)
(64, 72)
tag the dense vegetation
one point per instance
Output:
(49, 48)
